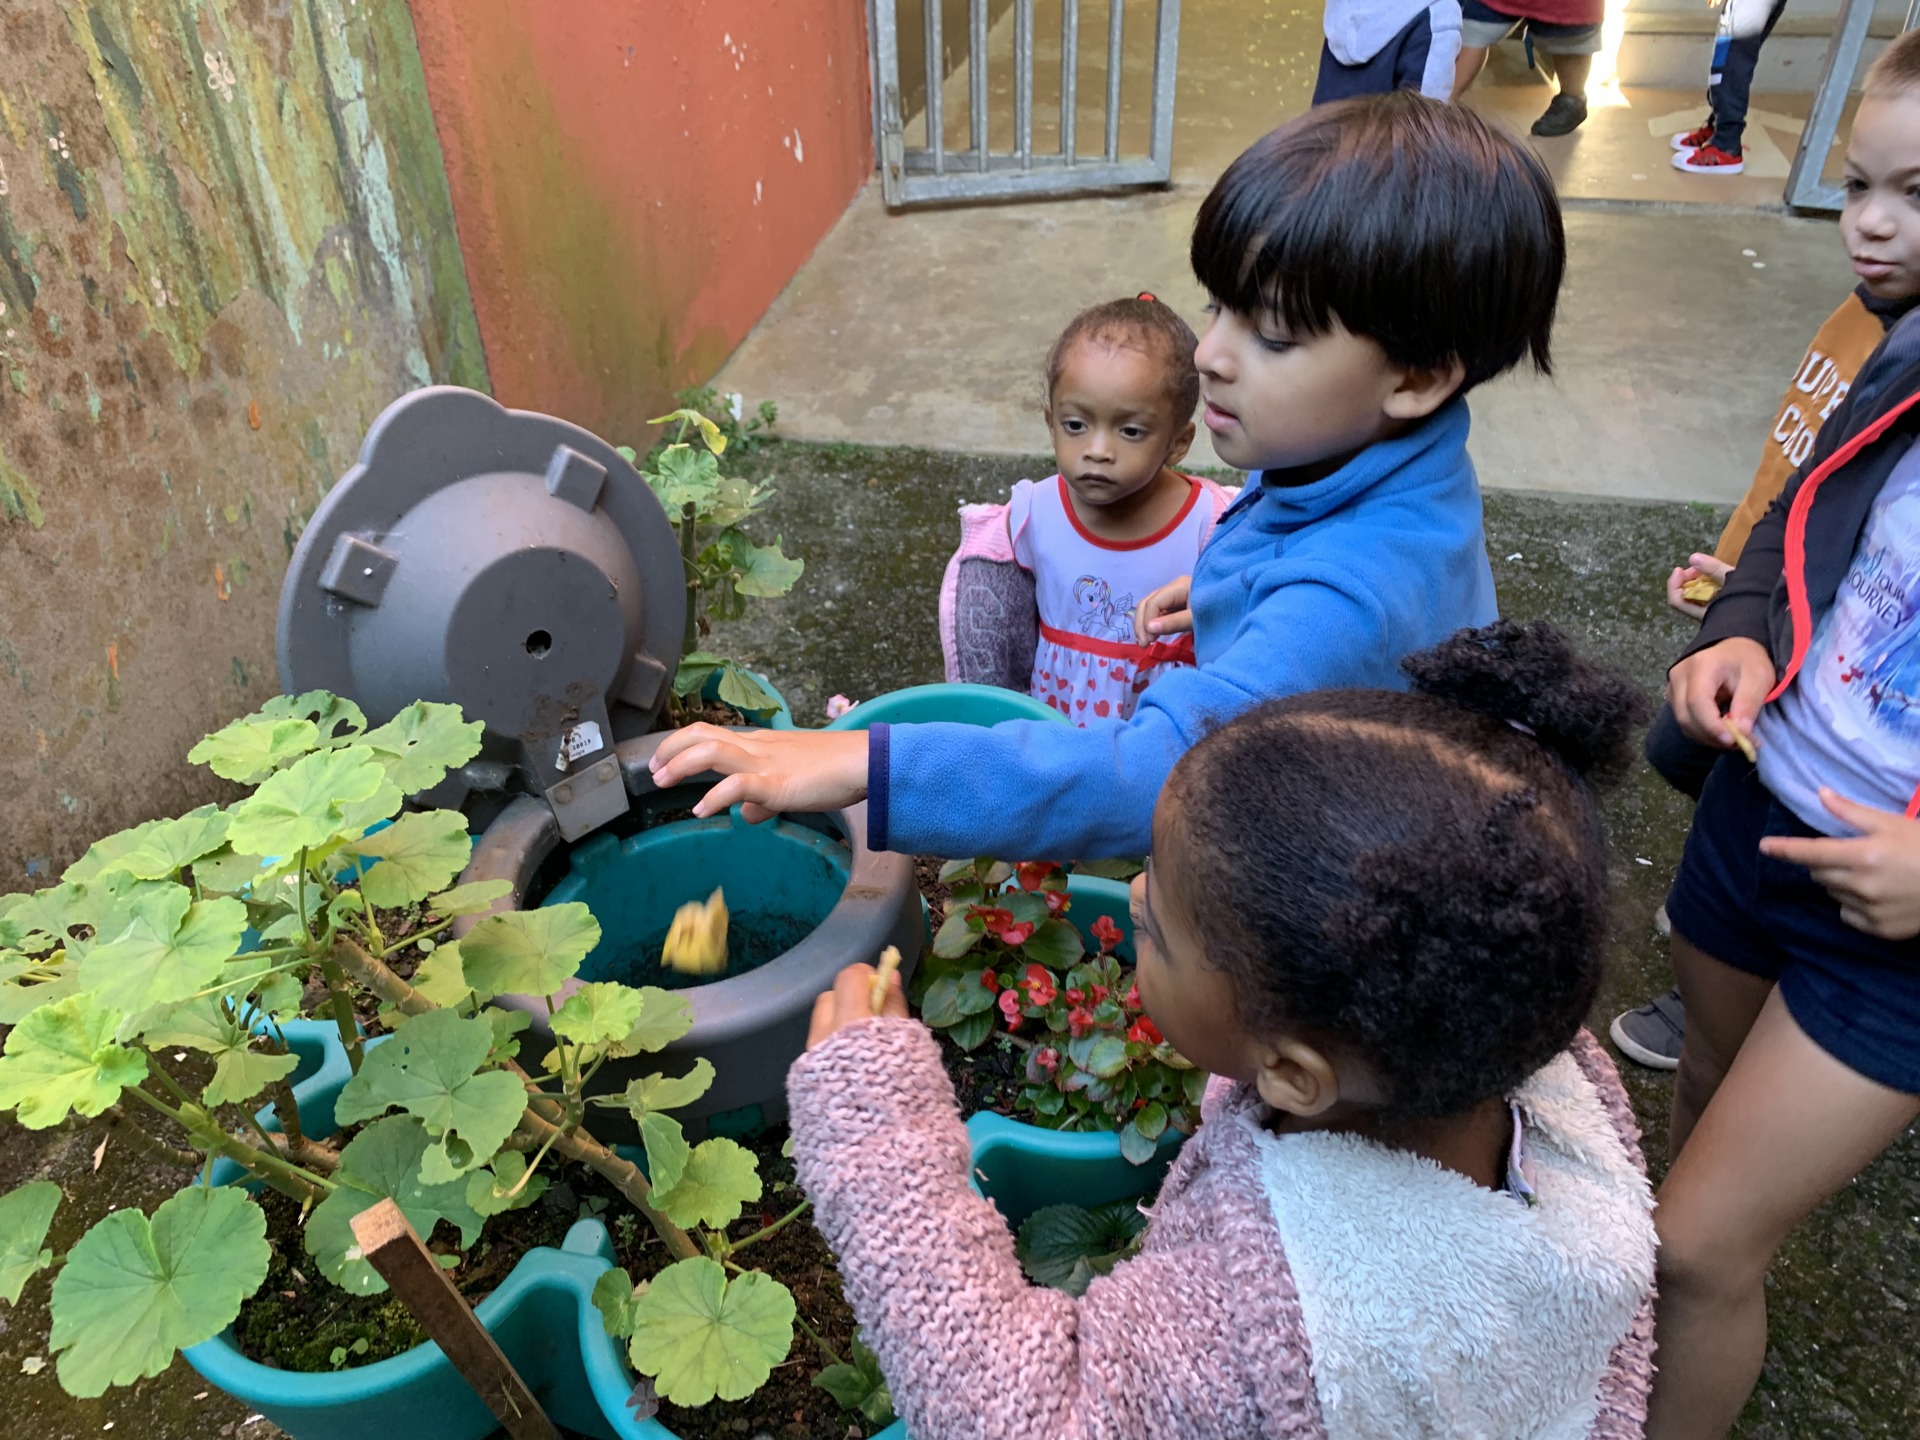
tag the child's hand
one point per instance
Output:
(767, 771)
(1164, 612)
(1875, 875)
(1738, 671)
(1698, 567)
(850, 1001)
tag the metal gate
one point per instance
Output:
(1807, 185)
(996, 158)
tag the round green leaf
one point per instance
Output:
(424, 741)
(972, 997)
(135, 1292)
(598, 1012)
(720, 1176)
(25, 1216)
(383, 1161)
(613, 1297)
(158, 849)
(664, 1017)
(251, 749)
(473, 898)
(304, 804)
(240, 1071)
(338, 720)
(955, 937)
(653, 1093)
(493, 1192)
(763, 570)
(1056, 945)
(1066, 1246)
(431, 1069)
(528, 952)
(160, 960)
(62, 1058)
(667, 1150)
(442, 977)
(418, 855)
(699, 1334)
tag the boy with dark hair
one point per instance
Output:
(1652, 1033)
(1368, 264)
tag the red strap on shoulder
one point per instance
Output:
(1799, 608)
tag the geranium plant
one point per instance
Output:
(1007, 957)
(206, 933)
(724, 568)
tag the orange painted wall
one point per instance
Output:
(635, 180)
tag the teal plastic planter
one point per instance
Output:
(780, 719)
(961, 704)
(542, 1316)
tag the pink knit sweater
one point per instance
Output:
(1199, 1335)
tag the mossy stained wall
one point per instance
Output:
(635, 182)
(226, 243)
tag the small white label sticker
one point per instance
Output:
(582, 739)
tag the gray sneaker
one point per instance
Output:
(1652, 1034)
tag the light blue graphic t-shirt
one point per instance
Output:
(1851, 720)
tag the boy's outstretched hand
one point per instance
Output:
(766, 772)
(851, 1000)
(1875, 875)
(1164, 612)
(1738, 672)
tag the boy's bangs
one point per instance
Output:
(1410, 222)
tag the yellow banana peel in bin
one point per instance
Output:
(697, 939)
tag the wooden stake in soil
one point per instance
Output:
(391, 1247)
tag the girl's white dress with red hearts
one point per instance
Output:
(1087, 664)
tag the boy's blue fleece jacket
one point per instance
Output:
(1308, 587)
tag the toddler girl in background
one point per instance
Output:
(1416, 1204)
(1040, 595)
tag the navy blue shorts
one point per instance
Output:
(1856, 996)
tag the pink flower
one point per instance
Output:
(1016, 934)
(1146, 1032)
(1107, 933)
(1133, 998)
(1076, 997)
(1034, 873)
(1048, 1058)
(990, 980)
(1079, 1021)
(992, 917)
(1099, 993)
(1009, 1003)
(1039, 985)
(1056, 902)
(838, 705)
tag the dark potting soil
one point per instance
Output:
(753, 939)
(298, 1320)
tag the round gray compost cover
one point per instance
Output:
(506, 562)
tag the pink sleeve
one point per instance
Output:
(1629, 1376)
(969, 1347)
(984, 535)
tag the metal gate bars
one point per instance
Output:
(934, 173)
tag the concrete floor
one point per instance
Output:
(1688, 301)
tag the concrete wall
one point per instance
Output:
(225, 244)
(635, 180)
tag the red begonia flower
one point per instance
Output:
(1079, 1021)
(1107, 933)
(1009, 1003)
(1145, 1031)
(1034, 873)
(1133, 997)
(1039, 985)
(990, 980)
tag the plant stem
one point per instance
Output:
(818, 1339)
(343, 1017)
(287, 1111)
(734, 1247)
(119, 1124)
(284, 1176)
(543, 1116)
(689, 548)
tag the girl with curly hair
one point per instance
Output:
(1416, 1204)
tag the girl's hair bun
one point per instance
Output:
(1531, 676)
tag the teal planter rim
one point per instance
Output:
(778, 719)
(921, 704)
(585, 1254)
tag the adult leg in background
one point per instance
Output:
(1730, 85)
(1786, 1128)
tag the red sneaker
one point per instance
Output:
(1708, 160)
(1693, 139)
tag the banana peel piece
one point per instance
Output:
(696, 941)
(877, 987)
(1700, 590)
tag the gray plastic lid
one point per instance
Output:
(503, 561)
